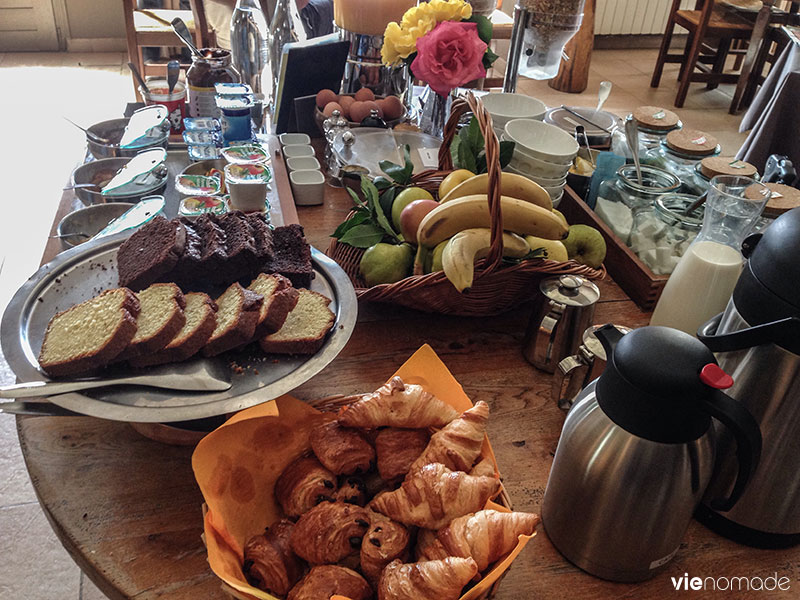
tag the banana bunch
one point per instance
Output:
(519, 216)
(511, 185)
(467, 246)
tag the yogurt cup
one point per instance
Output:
(174, 102)
(247, 186)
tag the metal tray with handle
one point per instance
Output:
(83, 272)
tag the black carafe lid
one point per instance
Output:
(656, 383)
(767, 289)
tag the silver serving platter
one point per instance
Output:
(84, 271)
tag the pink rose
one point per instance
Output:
(449, 56)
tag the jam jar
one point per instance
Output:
(680, 153)
(213, 67)
(661, 233)
(619, 197)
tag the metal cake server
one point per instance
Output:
(199, 375)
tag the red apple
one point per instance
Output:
(412, 216)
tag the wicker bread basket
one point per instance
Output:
(498, 286)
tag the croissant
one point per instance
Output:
(304, 484)
(269, 563)
(384, 542)
(324, 581)
(484, 468)
(434, 496)
(428, 546)
(397, 449)
(397, 404)
(429, 580)
(487, 535)
(341, 450)
(329, 532)
(458, 444)
(353, 491)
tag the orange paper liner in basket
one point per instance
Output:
(237, 464)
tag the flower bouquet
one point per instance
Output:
(444, 44)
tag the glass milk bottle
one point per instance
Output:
(703, 280)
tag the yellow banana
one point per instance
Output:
(465, 247)
(519, 216)
(553, 249)
(511, 185)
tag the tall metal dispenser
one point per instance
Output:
(757, 340)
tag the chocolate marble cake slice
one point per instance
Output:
(292, 256)
(150, 253)
(240, 247)
(211, 268)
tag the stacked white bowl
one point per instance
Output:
(542, 152)
(506, 107)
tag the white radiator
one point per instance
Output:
(634, 17)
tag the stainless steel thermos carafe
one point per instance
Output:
(636, 453)
(757, 341)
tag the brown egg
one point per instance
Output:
(324, 97)
(364, 94)
(392, 107)
(330, 107)
(346, 102)
(358, 112)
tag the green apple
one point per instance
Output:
(586, 245)
(403, 199)
(553, 249)
(386, 263)
(436, 257)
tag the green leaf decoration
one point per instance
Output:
(506, 152)
(356, 200)
(484, 27)
(347, 225)
(409, 166)
(454, 152)
(466, 158)
(363, 235)
(382, 183)
(387, 199)
(392, 170)
(475, 136)
(480, 163)
(384, 223)
(489, 58)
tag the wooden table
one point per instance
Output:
(128, 511)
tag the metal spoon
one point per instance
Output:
(173, 72)
(69, 235)
(632, 134)
(602, 95)
(76, 186)
(201, 375)
(97, 138)
(182, 31)
(138, 77)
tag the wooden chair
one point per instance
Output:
(701, 61)
(153, 28)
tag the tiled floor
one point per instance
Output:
(40, 88)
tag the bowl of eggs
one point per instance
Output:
(357, 107)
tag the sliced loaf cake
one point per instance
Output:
(91, 334)
(238, 312)
(150, 253)
(291, 256)
(279, 298)
(240, 249)
(160, 318)
(305, 327)
(200, 312)
(211, 269)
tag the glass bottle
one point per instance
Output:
(285, 27)
(213, 67)
(250, 46)
(704, 279)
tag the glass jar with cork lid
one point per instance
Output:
(654, 123)
(711, 166)
(681, 152)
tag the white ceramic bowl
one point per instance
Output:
(295, 150)
(557, 199)
(288, 139)
(506, 107)
(308, 187)
(542, 181)
(538, 168)
(541, 140)
(303, 163)
(555, 192)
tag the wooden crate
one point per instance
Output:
(633, 276)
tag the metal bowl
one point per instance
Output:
(113, 130)
(90, 221)
(91, 171)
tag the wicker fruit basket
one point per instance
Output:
(498, 286)
(237, 482)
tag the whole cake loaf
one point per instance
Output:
(213, 250)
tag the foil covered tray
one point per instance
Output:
(86, 270)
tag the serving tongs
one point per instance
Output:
(199, 375)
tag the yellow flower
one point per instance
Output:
(450, 10)
(397, 44)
